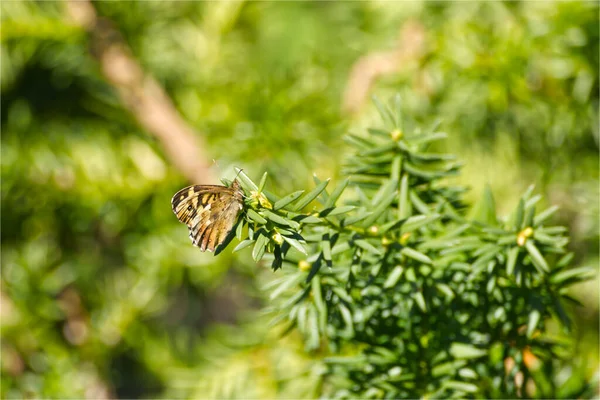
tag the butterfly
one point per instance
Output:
(209, 211)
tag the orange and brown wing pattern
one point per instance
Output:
(210, 212)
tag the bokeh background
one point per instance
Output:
(108, 108)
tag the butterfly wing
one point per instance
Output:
(210, 212)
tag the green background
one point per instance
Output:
(102, 293)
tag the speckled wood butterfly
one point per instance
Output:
(209, 211)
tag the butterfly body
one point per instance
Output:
(209, 211)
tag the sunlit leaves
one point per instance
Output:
(290, 198)
(310, 196)
(391, 249)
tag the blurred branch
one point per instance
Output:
(142, 95)
(370, 67)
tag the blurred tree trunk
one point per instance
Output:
(142, 95)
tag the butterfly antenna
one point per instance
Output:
(236, 175)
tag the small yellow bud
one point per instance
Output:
(386, 241)
(304, 265)
(523, 235)
(404, 238)
(396, 135)
(259, 198)
(277, 238)
(373, 230)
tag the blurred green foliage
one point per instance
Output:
(102, 293)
